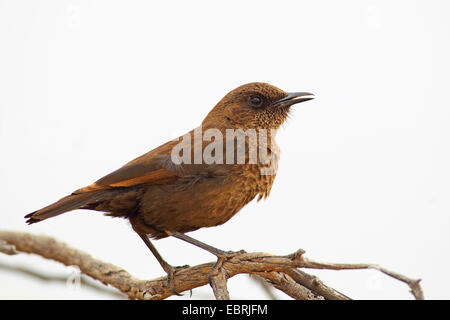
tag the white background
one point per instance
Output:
(86, 86)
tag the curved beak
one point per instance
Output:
(293, 98)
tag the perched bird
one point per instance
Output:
(162, 196)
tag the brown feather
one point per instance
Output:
(157, 195)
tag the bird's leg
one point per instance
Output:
(170, 270)
(217, 252)
(221, 255)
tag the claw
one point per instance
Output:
(170, 277)
(230, 254)
(221, 258)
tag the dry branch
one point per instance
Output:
(218, 281)
(7, 248)
(281, 271)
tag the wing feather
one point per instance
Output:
(150, 168)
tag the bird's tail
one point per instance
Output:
(68, 203)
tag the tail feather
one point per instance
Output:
(68, 203)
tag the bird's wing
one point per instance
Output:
(153, 167)
(157, 167)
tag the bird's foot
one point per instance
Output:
(177, 268)
(222, 257)
(225, 255)
(171, 272)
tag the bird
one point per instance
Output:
(163, 196)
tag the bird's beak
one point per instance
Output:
(293, 98)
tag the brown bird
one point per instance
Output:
(162, 196)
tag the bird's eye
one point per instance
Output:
(256, 101)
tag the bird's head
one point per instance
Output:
(255, 105)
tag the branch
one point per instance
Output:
(414, 284)
(84, 280)
(218, 281)
(265, 285)
(292, 288)
(281, 271)
(7, 248)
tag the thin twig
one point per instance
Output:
(265, 285)
(414, 284)
(84, 280)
